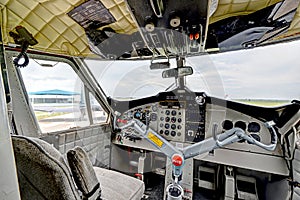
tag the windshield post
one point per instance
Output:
(180, 79)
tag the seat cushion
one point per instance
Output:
(118, 186)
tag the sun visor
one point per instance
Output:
(91, 15)
(254, 29)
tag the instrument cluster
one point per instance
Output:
(253, 128)
(179, 120)
(171, 123)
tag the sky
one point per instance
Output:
(37, 78)
(270, 72)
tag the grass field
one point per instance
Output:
(43, 115)
(259, 102)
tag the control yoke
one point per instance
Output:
(229, 137)
(178, 156)
(217, 141)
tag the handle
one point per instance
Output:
(237, 134)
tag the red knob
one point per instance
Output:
(177, 160)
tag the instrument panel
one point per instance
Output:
(171, 123)
(187, 117)
(177, 118)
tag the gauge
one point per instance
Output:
(255, 136)
(173, 119)
(173, 112)
(200, 100)
(154, 108)
(167, 126)
(173, 126)
(240, 124)
(253, 127)
(153, 116)
(167, 132)
(129, 114)
(227, 124)
(173, 133)
(167, 119)
(137, 115)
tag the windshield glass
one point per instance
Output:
(265, 73)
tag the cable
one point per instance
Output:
(24, 55)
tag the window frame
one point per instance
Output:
(76, 69)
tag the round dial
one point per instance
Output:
(227, 124)
(253, 127)
(173, 119)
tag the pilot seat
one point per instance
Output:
(43, 173)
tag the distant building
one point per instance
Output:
(54, 97)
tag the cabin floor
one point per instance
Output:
(155, 189)
(154, 186)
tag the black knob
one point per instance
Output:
(173, 126)
(167, 132)
(167, 112)
(173, 133)
(167, 119)
(167, 126)
(173, 119)
(174, 112)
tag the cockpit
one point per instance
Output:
(153, 99)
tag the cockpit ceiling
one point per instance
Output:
(294, 29)
(55, 31)
(231, 8)
(51, 24)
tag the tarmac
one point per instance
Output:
(69, 121)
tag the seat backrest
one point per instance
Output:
(83, 173)
(42, 171)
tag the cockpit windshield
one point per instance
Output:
(266, 73)
(135, 79)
